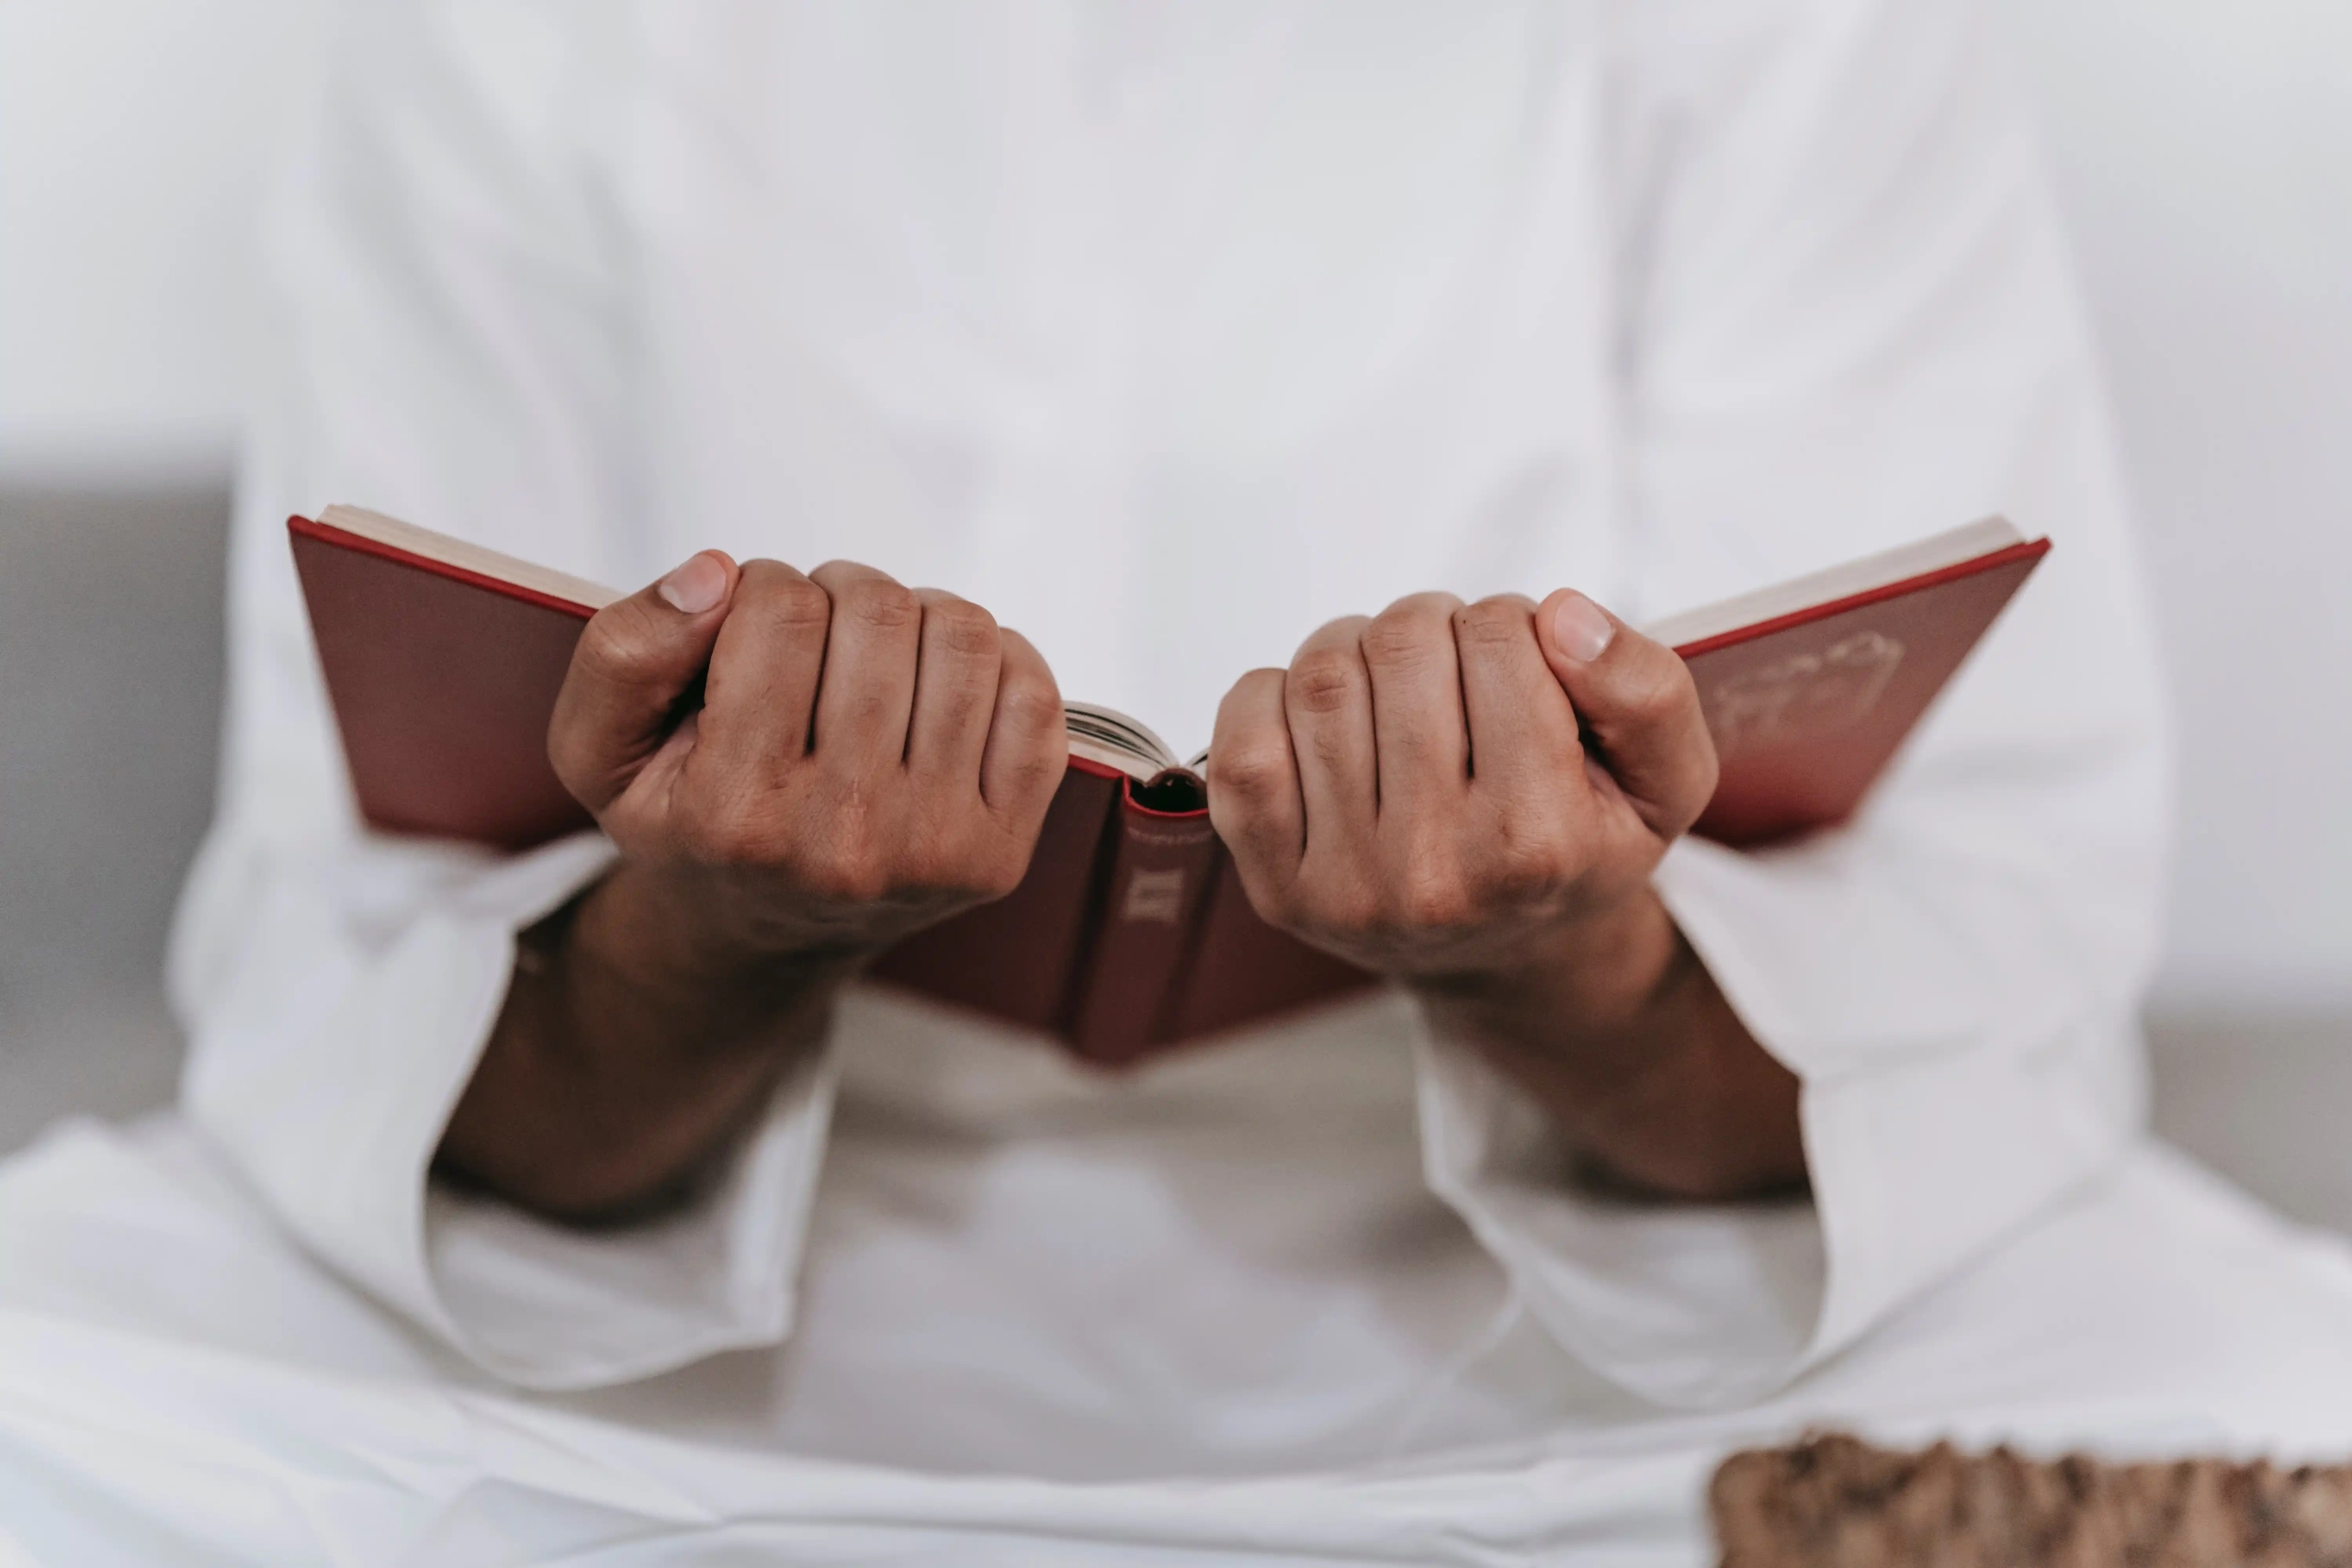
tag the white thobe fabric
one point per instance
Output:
(1166, 331)
(178, 1384)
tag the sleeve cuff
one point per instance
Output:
(1950, 1094)
(1929, 1135)
(1683, 1304)
(329, 1075)
(547, 1307)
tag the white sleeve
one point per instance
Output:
(448, 350)
(1849, 323)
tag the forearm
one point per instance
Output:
(1625, 1039)
(797, 771)
(628, 1054)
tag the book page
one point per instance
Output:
(467, 557)
(1109, 737)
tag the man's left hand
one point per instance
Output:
(1471, 798)
(1444, 792)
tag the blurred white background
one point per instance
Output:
(2204, 156)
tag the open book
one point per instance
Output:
(1130, 932)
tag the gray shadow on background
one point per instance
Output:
(110, 613)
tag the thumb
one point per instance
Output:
(1638, 707)
(639, 661)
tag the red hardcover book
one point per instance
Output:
(1131, 931)
(1811, 686)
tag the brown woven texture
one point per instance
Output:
(1837, 1501)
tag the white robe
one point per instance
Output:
(1166, 332)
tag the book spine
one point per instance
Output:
(1241, 971)
(1153, 898)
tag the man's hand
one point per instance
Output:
(1412, 793)
(1471, 798)
(866, 759)
(797, 771)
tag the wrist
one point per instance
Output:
(1597, 973)
(1624, 1037)
(701, 926)
(629, 1048)
(652, 939)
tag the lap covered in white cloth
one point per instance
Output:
(179, 1382)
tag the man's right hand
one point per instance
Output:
(866, 759)
(863, 760)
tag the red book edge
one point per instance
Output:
(343, 538)
(2028, 549)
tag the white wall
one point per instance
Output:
(2205, 156)
(2204, 151)
(135, 137)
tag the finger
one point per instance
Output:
(758, 702)
(868, 691)
(635, 660)
(1422, 746)
(1028, 741)
(1254, 801)
(956, 687)
(1327, 698)
(1522, 732)
(1639, 707)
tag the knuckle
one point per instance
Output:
(1431, 907)
(783, 597)
(1252, 705)
(619, 645)
(1493, 623)
(1022, 788)
(1405, 635)
(1325, 681)
(1433, 895)
(1029, 707)
(961, 626)
(881, 603)
(729, 833)
(797, 602)
(1528, 867)
(1434, 609)
(843, 866)
(1257, 770)
(1660, 688)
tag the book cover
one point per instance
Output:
(442, 679)
(1808, 707)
